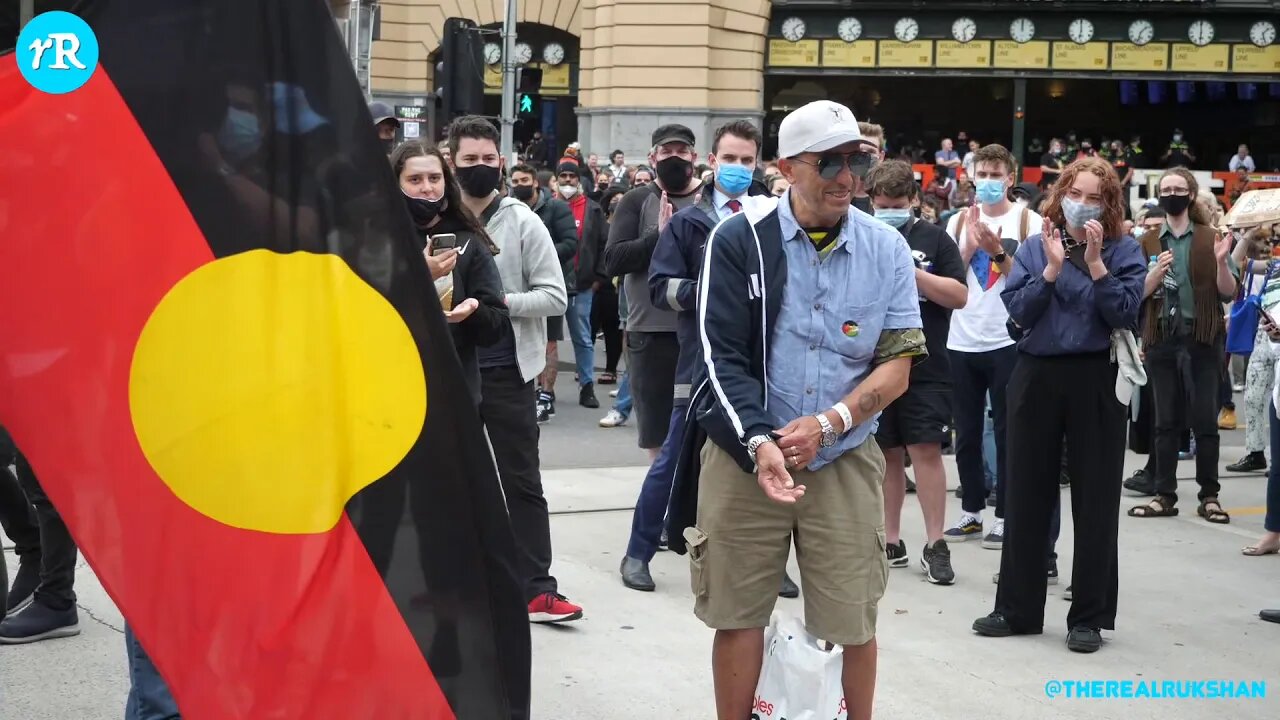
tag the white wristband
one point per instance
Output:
(845, 416)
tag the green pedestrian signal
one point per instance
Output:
(526, 104)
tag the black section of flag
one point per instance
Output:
(255, 113)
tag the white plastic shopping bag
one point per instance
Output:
(800, 679)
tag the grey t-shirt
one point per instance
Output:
(633, 235)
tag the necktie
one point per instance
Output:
(733, 205)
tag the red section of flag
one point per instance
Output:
(242, 624)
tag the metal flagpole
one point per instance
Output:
(508, 115)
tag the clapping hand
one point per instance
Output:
(1054, 252)
(1163, 263)
(1094, 235)
(1221, 247)
(986, 238)
(665, 211)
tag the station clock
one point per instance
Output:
(1022, 30)
(906, 29)
(793, 29)
(964, 29)
(1141, 32)
(849, 29)
(1080, 31)
(1263, 33)
(1200, 32)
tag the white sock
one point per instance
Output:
(976, 516)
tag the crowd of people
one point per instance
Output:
(797, 336)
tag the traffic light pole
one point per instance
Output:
(509, 84)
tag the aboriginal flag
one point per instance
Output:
(223, 355)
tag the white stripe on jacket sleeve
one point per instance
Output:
(704, 289)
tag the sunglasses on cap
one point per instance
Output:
(830, 164)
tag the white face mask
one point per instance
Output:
(568, 191)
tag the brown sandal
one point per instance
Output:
(1157, 507)
(1207, 511)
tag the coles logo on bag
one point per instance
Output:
(761, 710)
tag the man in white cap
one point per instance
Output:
(809, 320)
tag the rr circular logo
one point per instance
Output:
(57, 52)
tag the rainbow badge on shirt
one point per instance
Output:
(850, 328)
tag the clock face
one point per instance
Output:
(964, 29)
(524, 53)
(793, 29)
(1080, 31)
(1201, 32)
(1263, 33)
(906, 29)
(1141, 32)
(492, 53)
(1022, 30)
(849, 29)
(553, 54)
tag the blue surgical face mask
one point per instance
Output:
(733, 179)
(1078, 213)
(240, 135)
(897, 217)
(990, 191)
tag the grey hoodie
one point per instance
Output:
(531, 278)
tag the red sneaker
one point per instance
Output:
(553, 608)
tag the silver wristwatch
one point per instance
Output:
(828, 431)
(754, 444)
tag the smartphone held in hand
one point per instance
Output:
(443, 242)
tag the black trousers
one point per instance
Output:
(1184, 377)
(973, 375)
(604, 320)
(507, 407)
(39, 535)
(1049, 398)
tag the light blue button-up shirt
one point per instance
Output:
(833, 311)
(720, 202)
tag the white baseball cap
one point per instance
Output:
(818, 126)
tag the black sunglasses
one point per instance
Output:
(830, 164)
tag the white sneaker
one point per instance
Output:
(613, 393)
(995, 539)
(613, 419)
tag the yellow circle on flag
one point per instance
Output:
(267, 389)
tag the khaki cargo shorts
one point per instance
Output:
(738, 550)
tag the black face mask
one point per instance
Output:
(674, 172)
(388, 145)
(422, 210)
(523, 193)
(478, 181)
(603, 185)
(1175, 204)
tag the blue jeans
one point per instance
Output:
(655, 493)
(578, 318)
(1272, 520)
(149, 697)
(622, 403)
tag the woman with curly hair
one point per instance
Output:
(1070, 289)
(1184, 335)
